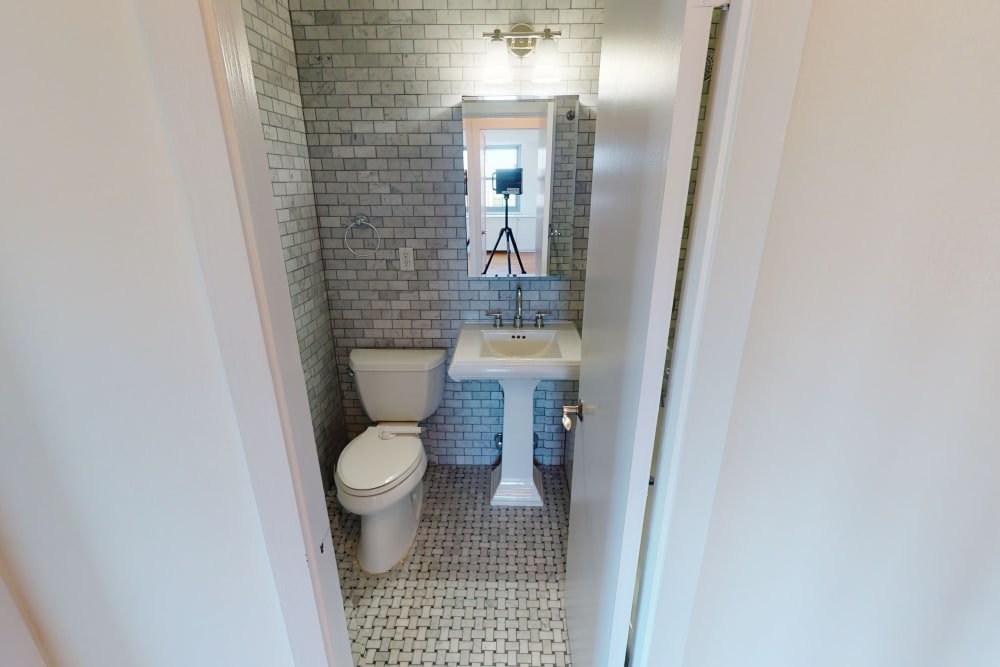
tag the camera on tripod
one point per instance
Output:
(507, 181)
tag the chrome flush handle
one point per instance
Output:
(571, 410)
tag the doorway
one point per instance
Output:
(381, 149)
(664, 348)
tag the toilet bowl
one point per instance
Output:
(381, 479)
(379, 475)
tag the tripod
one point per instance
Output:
(507, 233)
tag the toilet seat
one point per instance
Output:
(379, 459)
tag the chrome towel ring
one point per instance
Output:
(362, 221)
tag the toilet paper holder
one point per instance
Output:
(571, 410)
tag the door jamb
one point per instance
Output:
(742, 187)
(756, 81)
(270, 405)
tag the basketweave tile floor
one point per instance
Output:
(481, 585)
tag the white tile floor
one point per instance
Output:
(481, 586)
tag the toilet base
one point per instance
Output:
(516, 492)
(387, 535)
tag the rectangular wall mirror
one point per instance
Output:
(521, 229)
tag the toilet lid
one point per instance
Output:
(369, 462)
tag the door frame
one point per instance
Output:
(753, 91)
(732, 213)
(200, 59)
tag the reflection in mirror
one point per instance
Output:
(520, 227)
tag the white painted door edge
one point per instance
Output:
(757, 71)
(642, 165)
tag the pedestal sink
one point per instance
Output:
(519, 359)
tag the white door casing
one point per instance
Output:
(854, 521)
(311, 595)
(652, 66)
(161, 433)
(756, 69)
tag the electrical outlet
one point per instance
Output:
(406, 259)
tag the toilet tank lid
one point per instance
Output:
(396, 360)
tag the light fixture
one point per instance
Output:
(497, 70)
(546, 60)
(521, 41)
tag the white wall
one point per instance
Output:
(127, 510)
(855, 521)
(17, 647)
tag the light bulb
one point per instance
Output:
(547, 61)
(497, 70)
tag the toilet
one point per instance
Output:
(380, 473)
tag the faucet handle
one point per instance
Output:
(497, 318)
(540, 318)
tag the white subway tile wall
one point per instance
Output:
(272, 52)
(381, 83)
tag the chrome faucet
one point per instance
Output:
(518, 322)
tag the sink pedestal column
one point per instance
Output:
(516, 481)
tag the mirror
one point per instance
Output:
(520, 224)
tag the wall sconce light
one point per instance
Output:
(521, 41)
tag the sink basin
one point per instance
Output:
(513, 344)
(519, 359)
(484, 352)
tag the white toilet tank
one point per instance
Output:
(399, 385)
